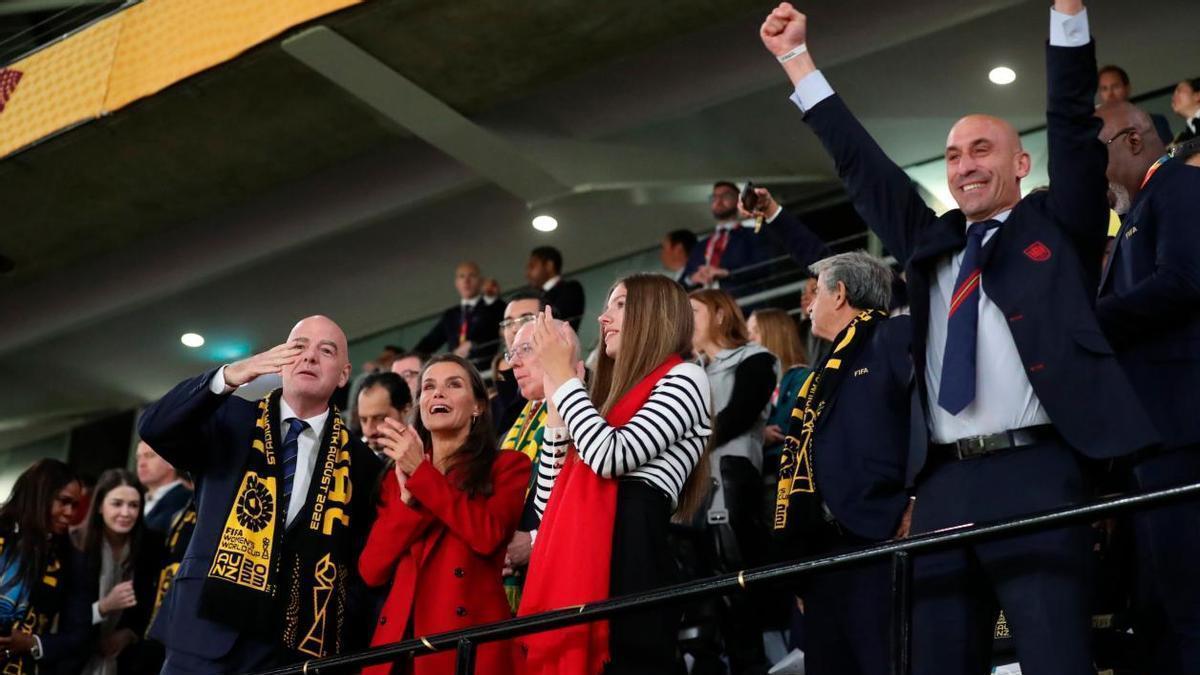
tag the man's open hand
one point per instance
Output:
(274, 360)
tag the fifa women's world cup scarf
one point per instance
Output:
(797, 505)
(262, 566)
(45, 601)
(178, 536)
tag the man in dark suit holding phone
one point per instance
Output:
(735, 254)
(1005, 342)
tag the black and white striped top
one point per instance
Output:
(661, 444)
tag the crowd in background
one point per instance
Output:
(501, 468)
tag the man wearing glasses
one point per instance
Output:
(526, 436)
(522, 308)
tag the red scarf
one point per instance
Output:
(570, 565)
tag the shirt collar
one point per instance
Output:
(316, 422)
(999, 217)
(157, 493)
(471, 302)
(551, 283)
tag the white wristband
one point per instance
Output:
(794, 53)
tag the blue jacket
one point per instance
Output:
(1149, 301)
(1041, 268)
(785, 235)
(861, 440)
(209, 435)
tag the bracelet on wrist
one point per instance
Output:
(796, 51)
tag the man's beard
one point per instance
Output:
(1118, 198)
(723, 216)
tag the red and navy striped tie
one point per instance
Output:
(962, 327)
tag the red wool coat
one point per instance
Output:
(444, 559)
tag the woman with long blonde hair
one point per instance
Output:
(777, 332)
(638, 440)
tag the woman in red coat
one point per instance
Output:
(446, 513)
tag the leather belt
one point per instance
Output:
(978, 446)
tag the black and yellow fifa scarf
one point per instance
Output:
(46, 599)
(797, 505)
(525, 437)
(278, 581)
(179, 535)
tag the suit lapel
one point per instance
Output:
(946, 235)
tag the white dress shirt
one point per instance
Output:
(551, 283)
(306, 445)
(1004, 397)
(154, 496)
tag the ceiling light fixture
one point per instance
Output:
(545, 224)
(192, 340)
(1002, 75)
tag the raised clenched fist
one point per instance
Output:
(784, 29)
(273, 360)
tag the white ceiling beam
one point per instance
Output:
(408, 105)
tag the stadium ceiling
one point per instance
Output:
(345, 167)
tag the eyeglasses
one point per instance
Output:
(1126, 130)
(518, 353)
(517, 321)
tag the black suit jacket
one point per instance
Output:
(483, 332)
(784, 235)
(861, 441)
(1040, 268)
(138, 657)
(567, 301)
(166, 507)
(209, 435)
(1149, 301)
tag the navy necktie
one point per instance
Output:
(962, 326)
(288, 455)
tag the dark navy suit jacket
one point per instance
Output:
(167, 507)
(861, 441)
(209, 435)
(567, 301)
(483, 331)
(1040, 268)
(784, 235)
(1149, 301)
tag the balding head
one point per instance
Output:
(468, 280)
(1132, 142)
(322, 367)
(984, 165)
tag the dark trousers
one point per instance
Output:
(848, 617)
(642, 643)
(1040, 580)
(247, 655)
(1168, 548)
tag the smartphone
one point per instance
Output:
(749, 197)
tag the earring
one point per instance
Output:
(474, 419)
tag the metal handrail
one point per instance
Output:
(900, 551)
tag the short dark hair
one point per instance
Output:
(393, 348)
(548, 254)
(420, 356)
(395, 385)
(729, 184)
(529, 295)
(685, 238)
(1115, 69)
(1194, 83)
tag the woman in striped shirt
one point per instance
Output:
(640, 438)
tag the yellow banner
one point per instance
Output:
(134, 54)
